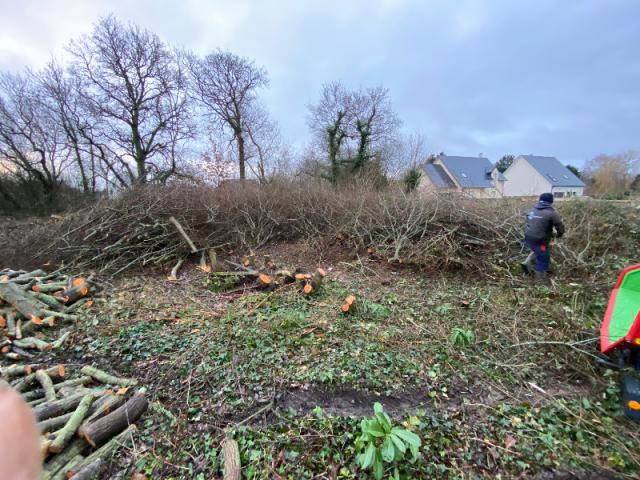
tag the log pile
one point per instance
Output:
(249, 273)
(83, 417)
(33, 302)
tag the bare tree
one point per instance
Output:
(135, 87)
(60, 94)
(612, 174)
(353, 128)
(374, 122)
(265, 144)
(31, 141)
(226, 86)
(330, 121)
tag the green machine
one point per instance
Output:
(620, 335)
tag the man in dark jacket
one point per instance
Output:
(541, 221)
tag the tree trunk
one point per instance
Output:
(29, 307)
(241, 153)
(231, 454)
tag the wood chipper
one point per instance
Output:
(620, 336)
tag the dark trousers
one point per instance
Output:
(542, 253)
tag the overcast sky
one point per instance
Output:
(549, 77)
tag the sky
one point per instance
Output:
(545, 77)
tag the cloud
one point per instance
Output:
(491, 76)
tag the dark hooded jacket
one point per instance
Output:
(541, 221)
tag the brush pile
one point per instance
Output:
(83, 417)
(31, 303)
(160, 225)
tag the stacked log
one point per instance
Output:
(33, 302)
(82, 420)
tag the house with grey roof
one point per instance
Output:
(472, 176)
(531, 175)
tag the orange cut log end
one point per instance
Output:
(78, 281)
(36, 320)
(264, 279)
(307, 288)
(346, 307)
(350, 299)
(321, 272)
(3, 322)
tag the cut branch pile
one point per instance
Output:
(249, 273)
(83, 420)
(33, 302)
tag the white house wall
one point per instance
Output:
(524, 181)
(568, 192)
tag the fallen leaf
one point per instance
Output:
(509, 442)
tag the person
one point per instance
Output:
(542, 219)
(20, 457)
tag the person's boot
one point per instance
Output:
(528, 265)
(542, 278)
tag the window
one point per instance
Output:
(558, 194)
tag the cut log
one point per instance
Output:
(115, 422)
(173, 276)
(62, 315)
(70, 428)
(317, 279)
(48, 300)
(75, 293)
(77, 281)
(70, 466)
(192, 245)
(307, 289)
(60, 341)
(29, 307)
(58, 387)
(33, 343)
(104, 405)
(249, 260)
(264, 280)
(56, 373)
(3, 321)
(27, 277)
(83, 302)
(349, 304)
(49, 287)
(231, 455)
(52, 467)
(302, 276)
(106, 451)
(104, 377)
(89, 470)
(204, 266)
(53, 424)
(57, 408)
(286, 276)
(47, 385)
(16, 371)
(11, 324)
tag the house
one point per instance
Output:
(472, 176)
(531, 175)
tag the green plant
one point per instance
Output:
(380, 442)
(412, 179)
(461, 337)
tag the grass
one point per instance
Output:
(519, 396)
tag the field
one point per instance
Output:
(494, 374)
